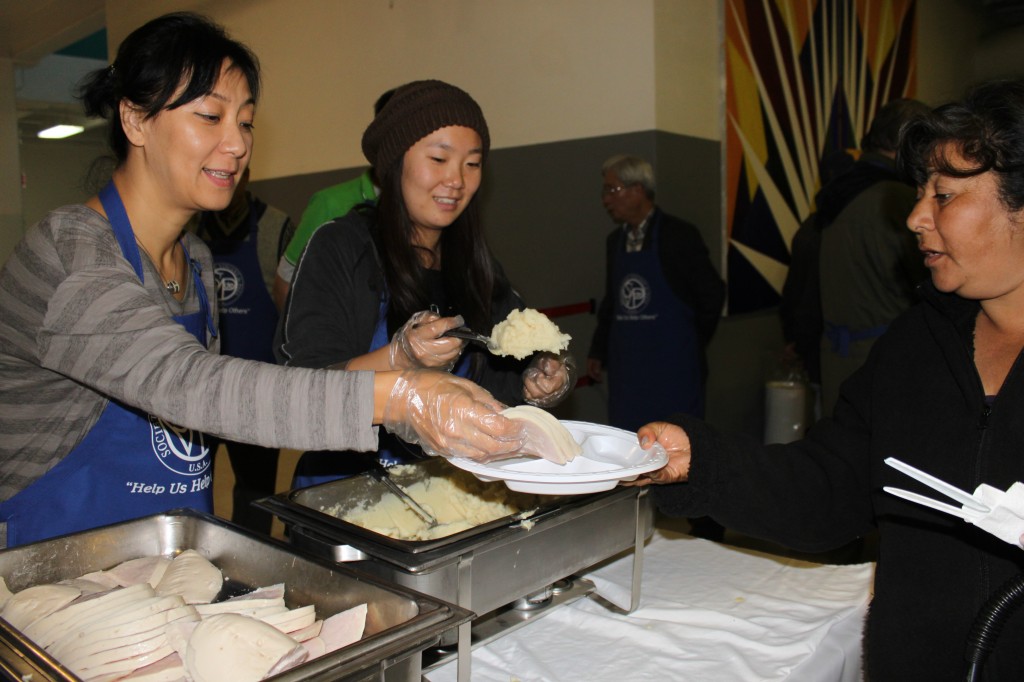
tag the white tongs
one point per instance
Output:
(991, 509)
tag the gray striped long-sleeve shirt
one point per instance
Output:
(77, 328)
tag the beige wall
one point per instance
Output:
(689, 97)
(542, 70)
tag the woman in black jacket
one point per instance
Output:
(942, 390)
(377, 288)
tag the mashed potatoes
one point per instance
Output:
(525, 332)
(459, 501)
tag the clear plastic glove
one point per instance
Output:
(450, 416)
(419, 344)
(549, 378)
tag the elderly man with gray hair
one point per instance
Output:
(663, 298)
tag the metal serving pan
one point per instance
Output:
(400, 623)
(308, 507)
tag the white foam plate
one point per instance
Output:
(609, 455)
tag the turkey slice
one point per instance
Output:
(147, 569)
(193, 577)
(339, 630)
(545, 436)
(119, 658)
(106, 665)
(46, 630)
(227, 646)
(29, 605)
(295, 619)
(245, 606)
(116, 614)
(167, 669)
(108, 636)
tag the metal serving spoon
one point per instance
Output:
(380, 473)
(472, 336)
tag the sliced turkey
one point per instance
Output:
(28, 606)
(227, 646)
(193, 577)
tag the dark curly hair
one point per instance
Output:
(985, 128)
(176, 51)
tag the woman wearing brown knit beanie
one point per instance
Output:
(377, 288)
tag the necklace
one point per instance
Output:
(171, 285)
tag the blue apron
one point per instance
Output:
(130, 464)
(248, 316)
(653, 350)
(316, 467)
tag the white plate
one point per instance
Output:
(609, 455)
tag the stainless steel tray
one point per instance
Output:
(400, 622)
(306, 507)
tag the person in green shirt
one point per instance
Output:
(326, 204)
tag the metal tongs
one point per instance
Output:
(380, 473)
(995, 511)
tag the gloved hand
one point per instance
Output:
(448, 415)
(549, 378)
(419, 344)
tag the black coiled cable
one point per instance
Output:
(989, 623)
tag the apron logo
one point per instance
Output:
(634, 294)
(179, 449)
(229, 283)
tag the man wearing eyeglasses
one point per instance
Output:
(663, 298)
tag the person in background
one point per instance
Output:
(327, 204)
(868, 262)
(363, 287)
(800, 305)
(246, 239)
(662, 301)
(942, 390)
(661, 304)
(109, 363)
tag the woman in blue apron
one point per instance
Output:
(362, 288)
(653, 350)
(142, 464)
(108, 367)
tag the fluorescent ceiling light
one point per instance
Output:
(59, 132)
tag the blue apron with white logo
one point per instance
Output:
(130, 464)
(316, 467)
(653, 349)
(248, 316)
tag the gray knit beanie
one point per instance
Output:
(414, 111)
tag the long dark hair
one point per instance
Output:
(471, 279)
(176, 51)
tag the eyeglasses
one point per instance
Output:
(606, 191)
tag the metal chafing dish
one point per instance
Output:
(487, 569)
(399, 625)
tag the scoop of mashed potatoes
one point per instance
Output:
(524, 332)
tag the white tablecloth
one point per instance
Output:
(707, 612)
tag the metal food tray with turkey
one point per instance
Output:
(400, 623)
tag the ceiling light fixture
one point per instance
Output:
(59, 132)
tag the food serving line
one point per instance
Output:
(577, 586)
